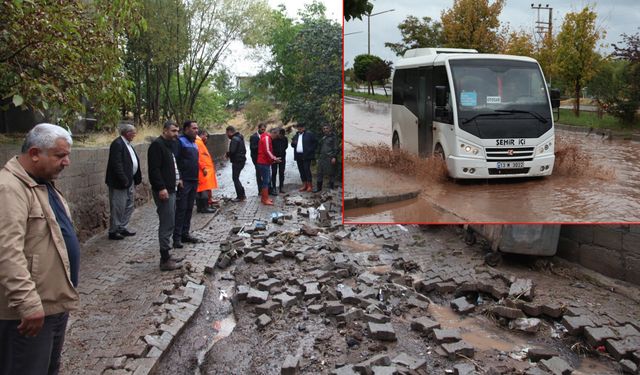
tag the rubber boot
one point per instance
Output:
(265, 197)
(318, 187)
(304, 187)
(309, 186)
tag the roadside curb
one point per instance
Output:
(611, 134)
(359, 202)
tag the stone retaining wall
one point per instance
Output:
(613, 250)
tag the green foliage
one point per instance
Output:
(306, 64)
(362, 64)
(356, 9)
(257, 110)
(210, 108)
(613, 89)
(57, 55)
(576, 58)
(418, 33)
(519, 44)
(473, 24)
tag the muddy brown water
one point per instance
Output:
(595, 180)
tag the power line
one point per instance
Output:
(543, 28)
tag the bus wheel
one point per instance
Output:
(395, 142)
(439, 152)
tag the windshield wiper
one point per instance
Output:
(534, 114)
(495, 113)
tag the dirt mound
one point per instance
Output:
(400, 161)
(573, 161)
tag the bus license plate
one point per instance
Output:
(510, 164)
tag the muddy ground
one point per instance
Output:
(400, 275)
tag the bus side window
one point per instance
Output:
(399, 87)
(442, 114)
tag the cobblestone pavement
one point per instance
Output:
(126, 299)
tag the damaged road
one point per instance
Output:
(310, 296)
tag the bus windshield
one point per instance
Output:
(491, 92)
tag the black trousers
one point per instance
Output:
(277, 169)
(32, 355)
(185, 198)
(304, 167)
(258, 175)
(236, 168)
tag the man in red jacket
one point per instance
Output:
(266, 157)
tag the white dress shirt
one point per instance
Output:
(134, 159)
(299, 149)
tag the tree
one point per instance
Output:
(55, 56)
(576, 58)
(306, 64)
(379, 72)
(520, 44)
(356, 9)
(631, 54)
(613, 89)
(417, 33)
(473, 24)
(545, 53)
(362, 67)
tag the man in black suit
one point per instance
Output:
(304, 150)
(123, 173)
(253, 146)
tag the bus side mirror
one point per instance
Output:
(441, 96)
(555, 98)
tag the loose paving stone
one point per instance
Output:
(622, 348)
(464, 369)
(427, 285)
(446, 287)
(253, 257)
(446, 335)
(257, 296)
(268, 284)
(538, 354)
(273, 256)
(344, 370)
(552, 309)
(424, 324)
(293, 291)
(347, 295)
(364, 367)
(290, 365)
(333, 308)
(300, 257)
(263, 321)
(376, 318)
(459, 348)
(383, 332)
(315, 309)
(531, 309)
(522, 289)
(412, 363)
(626, 331)
(462, 306)
(352, 315)
(242, 291)
(507, 312)
(311, 290)
(576, 324)
(556, 366)
(285, 299)
(596, 336)
(384, 370)
(628, 367)
(267, 307)
(415, 302)
(368, 278)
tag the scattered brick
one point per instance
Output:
(376, 318)
(412, 363)
(273, 256)
(596, 336)
(290, 365)
(263, 321)
(267, 307)
(507, 312)
(446, 287)
(268, 284)
(285, 299)
(622, 348)
(538, 354)
(384, 370)
(253, 257)
(552, 309)
(576, 324)
(628, 367)
(464, 369)
(257, 296)
(459, 348)
(462, 306)
(424, 325)
(522, 289)
(446, 335)
(383, 332)
(556, 366)
(333, 308)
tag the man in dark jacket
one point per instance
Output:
(187, 157)
(280, 145)
(165, 178)
(253, 146)
(237, 155)
(327, 154)
(123, 174)
(304, 146)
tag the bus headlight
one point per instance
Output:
(545, 147)
(469, 149)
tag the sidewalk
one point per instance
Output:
(130, 310)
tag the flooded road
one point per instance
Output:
(599, 181)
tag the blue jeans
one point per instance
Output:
(185, 198)
(32, 355)
(265, 174)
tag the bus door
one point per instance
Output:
(425, 112)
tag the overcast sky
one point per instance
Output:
(247, 62)
(614, 16)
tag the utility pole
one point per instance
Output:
(543, 28)
(369, 15)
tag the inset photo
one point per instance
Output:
(490, 112)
